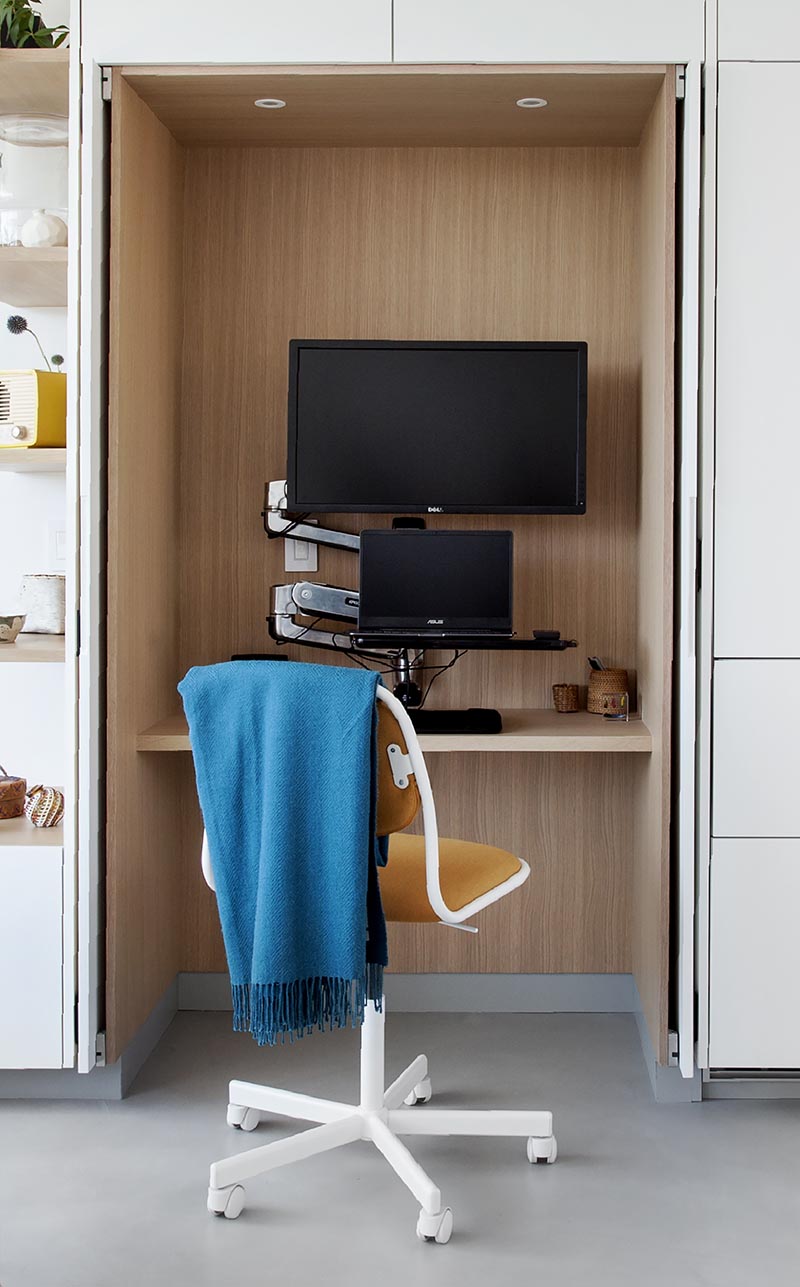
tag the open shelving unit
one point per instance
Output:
(34, 80)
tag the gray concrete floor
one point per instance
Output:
(106, 1193)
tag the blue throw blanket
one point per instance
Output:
(285, 760)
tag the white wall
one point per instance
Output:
(54, 12)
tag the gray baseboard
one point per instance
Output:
(751, 1088)
(462, 993)
(61, 1083)
(669, 1085)
(111, 1082)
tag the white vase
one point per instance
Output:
(43, 600)
(43, 229)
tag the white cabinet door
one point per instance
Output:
(756, 761)
(763, 31)
(538, 31)
(271, 31)
(757, 607)
(30, 956)
(755, 954)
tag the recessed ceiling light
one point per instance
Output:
(531, 102)
(270, 102)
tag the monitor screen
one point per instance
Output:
(449, 580)
(458, 428)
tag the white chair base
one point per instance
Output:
(382, 1116)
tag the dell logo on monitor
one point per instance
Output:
(435, 621)
(435, 509)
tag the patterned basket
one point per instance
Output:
(565, 697)
(44, 806)
(602, 682)
(12, 795)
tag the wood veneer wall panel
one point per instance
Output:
(427, 243)
(143, 835)
(433, 244)
(651, 808)
(563, 813)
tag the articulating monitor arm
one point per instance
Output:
(313, 600)
(276, 522)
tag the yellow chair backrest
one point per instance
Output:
(397, 807)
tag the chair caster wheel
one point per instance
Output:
(421, 1093)
(435, 1228)
(542, 1149)
(226, 1202)
(243, 1119)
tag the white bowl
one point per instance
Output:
(11, 626)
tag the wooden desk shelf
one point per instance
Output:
(523, 730)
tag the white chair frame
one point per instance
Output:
(382, 1115)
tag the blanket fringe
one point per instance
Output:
(274, 1011)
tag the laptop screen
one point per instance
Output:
(417, 580)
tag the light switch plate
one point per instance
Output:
(57, 544)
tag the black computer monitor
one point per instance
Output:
(381, 426)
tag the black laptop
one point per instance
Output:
(435, 585)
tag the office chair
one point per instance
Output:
(426, 879)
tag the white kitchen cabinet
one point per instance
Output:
(31, 949)
(273, 31)
(764, 31)
(756, 761)
(533, 31)
(757, 612)
(755, 954)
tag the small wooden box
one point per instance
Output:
(12, 796)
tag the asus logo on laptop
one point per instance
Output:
(435, 621)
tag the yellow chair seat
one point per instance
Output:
(466, 870)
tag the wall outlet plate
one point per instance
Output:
(300, 556)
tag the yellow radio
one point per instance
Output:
(33, 409)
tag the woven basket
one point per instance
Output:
(565, 697)
(44, 806)
(12, 795)
(602, 682)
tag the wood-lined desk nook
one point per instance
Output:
(393, 203)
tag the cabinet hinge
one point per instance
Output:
(680, 82)
(100, 1050)
(673, 1051)
(105, 84)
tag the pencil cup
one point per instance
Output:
(565, 697)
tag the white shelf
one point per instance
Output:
(22, 834)
(26, 648)
(33, 278)
(33, 460)
(523, 730)
(34, 80)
